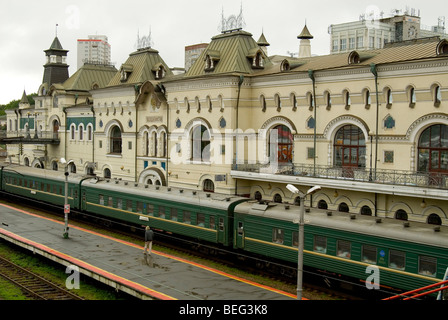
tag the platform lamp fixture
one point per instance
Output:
(66, 205)
(301, 237)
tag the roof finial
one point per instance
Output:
(56, 32)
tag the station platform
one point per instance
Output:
(124, 266)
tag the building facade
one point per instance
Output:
(369, 127)
(95, 49)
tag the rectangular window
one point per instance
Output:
(320, 244)
(295, 239)
(351, 43)
(221, 224)
(162, 212)
(110, 202)
(187, 217)
(335, 45)
(174, 214)
(120, 203)
(427, 266)
(100, 144)
(397, 259)
(212, 222)
(344, 249)
(139, 207)
(388, 157)
(129, 205)
(277, 236)
(310, 153)
(201, 220)
(360, 42)
(369, 254)
(150, 209)
(343, 44)
(240, 227)
(101, 200)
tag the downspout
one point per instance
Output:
(374, 70)
(311, 75)
(93, 135)
(137, 89)
(65, 135)
(240, 82)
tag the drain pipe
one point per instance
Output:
(240, 82)
(374, 71)
(311, 75)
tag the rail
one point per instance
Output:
(382, 176)
(29, 137)
(421, 292)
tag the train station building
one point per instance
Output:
(370, 127)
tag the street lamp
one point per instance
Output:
(66, 205)
(301, 237)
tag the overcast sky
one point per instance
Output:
(27, 28)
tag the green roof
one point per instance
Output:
(88, 76)
(231, 53)
(140, 67)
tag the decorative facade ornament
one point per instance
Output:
(232, 23)
(144, 42)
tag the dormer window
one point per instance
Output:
(211, 59)
(125, 72)
(256, 57)
(442, 47)
(159, 71)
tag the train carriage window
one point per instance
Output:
(120, 203)
(201, 220)
(139, 207)
(212, 222)
(101, 200)
(295, 239)
(427, 266)
(221, 224)
(320, 244)
(397, 259)
(187, 217)
(369, 254)
(277, 236)
(129, 205)
(110, 202)
(174, 214)
(162, 212)
(344, 249)
(240, 227)
(150, 209)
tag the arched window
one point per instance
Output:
(200, 142)
(433, 149)
(343, 207)
(89, 132)
(322, 204)
(366, 211)
(55, 129)
(72, 132)
(434, 219)
(258, 196)
(278, 198)
(115, 140)
(209, 186)
(281, 144)
(81, 132)
(350, 149)
(389, 98)
(107, 173)
(162, 146)
(401, 215)
(437, 96)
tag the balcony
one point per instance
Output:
(29, 137)
(398, 182)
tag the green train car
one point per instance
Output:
(194, 214)
(407, 255)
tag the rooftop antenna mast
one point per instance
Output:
(56, 32)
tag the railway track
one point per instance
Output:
(33, 285)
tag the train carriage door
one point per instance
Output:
(240, 235)
(83, 201)
(221, 231)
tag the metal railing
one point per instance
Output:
(29, 136)
(383, 176)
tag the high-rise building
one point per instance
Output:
(95, 49)
(374, 32)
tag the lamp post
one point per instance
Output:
(66, 205)
(301, 237)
